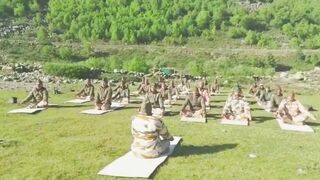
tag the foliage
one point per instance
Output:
(65, 52)
(20, 7)
(68, 70)
(136, 64)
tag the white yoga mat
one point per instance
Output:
(290, 127)
(26, 110)
(114, 106)
(193, 119)
(78, 101)
(234, 122)
(131, 166)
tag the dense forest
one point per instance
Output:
(145, 21)
(265, 23)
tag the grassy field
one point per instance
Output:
(61, 143)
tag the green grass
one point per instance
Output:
(61, 143)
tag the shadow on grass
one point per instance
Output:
(252, 102)
(216, 106)
(214, 116)
(72, 106)
(173, 113)
(261, 119)
(10, 143)
(218, 101)
(257, 109)
(199, 150)
(312, 124)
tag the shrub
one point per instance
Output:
(42, 36)
(65, 53)
(47, 52)
(98, 63)
(68, 70)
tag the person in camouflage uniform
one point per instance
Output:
(215, 87)
(155, 98)
(172, 91)
(237, 108)
(122, 90)
(38, 96)
(204, 91)
(265, 96)
(151, 137)
(196, 105)
(87, 91)
(260, 90)
(182, 88)
(253, 89)
(104, 96)
(291, 111)
(275, 101)
(145, 87)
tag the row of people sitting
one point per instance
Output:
(288, 109)
(38, 97)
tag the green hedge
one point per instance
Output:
(68, 70)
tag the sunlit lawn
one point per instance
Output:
(61, 143)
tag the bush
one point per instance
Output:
(68, 70)
(236, 33)
(65, 53)
(137, 65)
(42, 36)
(98, 63)
(47, 52)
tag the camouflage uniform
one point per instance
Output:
(292, 112)
(87, 92)
(122, 91)
(104, 98)
(195, 103)
(275, 101)
(155, 99)
(145, 88)
(38, 98)
(150, 135)
(236, 109)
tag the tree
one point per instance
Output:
(203, 19)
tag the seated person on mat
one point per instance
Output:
(275, 101)
(38, 96)
(265, 96)
(215, 87)
(104, 96)
(122, 90)
(145, 87)
(259, 91)
(155, 98)
(150, 135)
(87, 92)
(172, 91)
(196, 105)
(236, 108)
(253, 89)
(182, 88)
(204, 91)
(291, 111)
